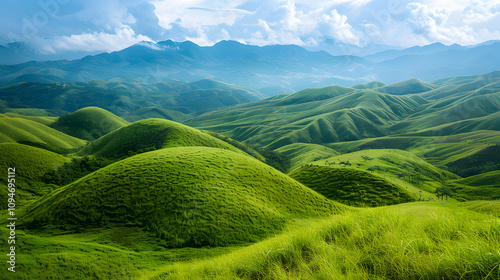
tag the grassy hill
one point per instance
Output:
(155, 113)
(411, 86)
(189, 196)
(125, 97)
(351, 186)
(401, 168)
(302, 153)
(370, 85)
(150, 134)
(31, 164)
(25, 131)
(465, 154)
(45, 120)
(452, 111)
(338, 114)
(477, 187)
(89, 123)
(488, 122)
(311, 116)
(486, 179)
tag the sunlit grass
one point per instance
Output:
(408, 241)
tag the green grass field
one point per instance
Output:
(408, 241)
(420, 240)
(397, 181)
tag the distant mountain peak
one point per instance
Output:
(149, 44)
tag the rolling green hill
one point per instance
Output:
(150, 134)
(337, 114)
(89, 123)
(25, 131)
(126, 97)
(488, 122)
(370, 85)
(486, 179)
(465, 154)
(302, 153)
(48, 120)
(351, 186)
(411, 86)
(189, 196)
(311, 116)
(401, 168)
(31, 164)
(484, 186)
(155, 112)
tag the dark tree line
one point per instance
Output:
(74, 170)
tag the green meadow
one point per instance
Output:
(376, 181)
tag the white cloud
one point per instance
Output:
(192, 14)
(97, 41)
(481, 11)
(339, 28)
(201, 37)
(291, 25)
(107, 25)
(451, 22)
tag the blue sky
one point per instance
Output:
(55, 26)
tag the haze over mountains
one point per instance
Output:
(270, 69)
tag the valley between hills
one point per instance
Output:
(209, 180)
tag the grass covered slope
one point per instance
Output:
(24, 131)
(407, 241)
(189, 196)
(150, 134)
(477, 187)
(486, 179)
(45, 120)
(351, 186)
(464, 154)
(89, 123)
(411, 86)
(402, 168)
(31, 164)
(321, 115)
(302, 153)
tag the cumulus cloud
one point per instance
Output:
(339, 28)
(110, 25)
(91, 42)
(462, 22)
(291, 25)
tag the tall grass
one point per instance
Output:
(409, 241)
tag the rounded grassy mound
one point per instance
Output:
(31, 164)
(89, 123)
(350, 186)
(150, 134)
(187, 196)
(24, 131)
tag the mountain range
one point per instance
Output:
(272, 69)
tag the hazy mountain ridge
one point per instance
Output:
(286, 66)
